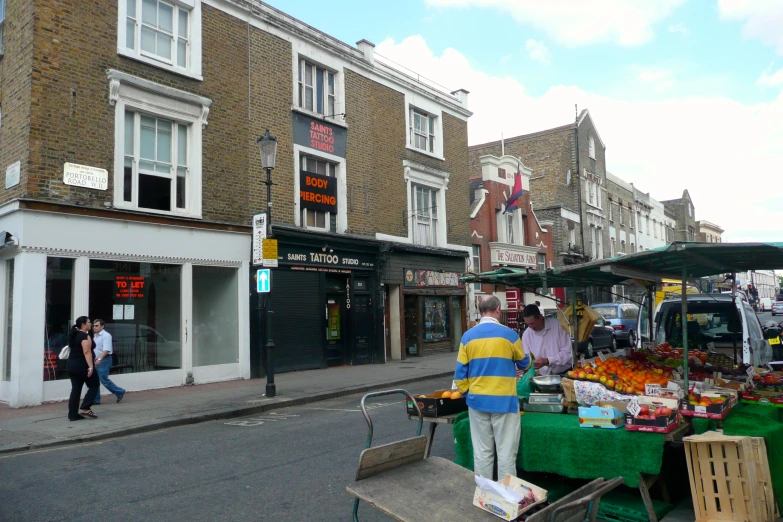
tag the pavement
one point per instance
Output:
(47, 425)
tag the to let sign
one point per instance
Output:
(85, 176)
(317, 192)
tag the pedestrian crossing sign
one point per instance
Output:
(264, 280)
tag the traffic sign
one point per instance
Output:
(264, 280)
(259, 235)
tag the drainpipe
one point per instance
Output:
(579, 180)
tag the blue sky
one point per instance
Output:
(685, 93)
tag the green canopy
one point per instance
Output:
(667, 262)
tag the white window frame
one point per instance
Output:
(475, 260)
(572, 237)
(304, 211)
(599, 242)
(301, 93)
(655, 229)
(430, 108)
(2, 27)
(129, 93)
(647, 224)
(341, 221)
(622, 220)
(437, 180)
(429, 215)
(427, 134)
(611, 216)
(631, 218)
(192, 68)
(613, 247)
(591, 147)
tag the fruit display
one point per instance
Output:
(712, 406)
(768, 383)
(438, 404)
(622, 376)
(656, 414)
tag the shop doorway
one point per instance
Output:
(411, 325)
(456, 322)
(363, 328)
(335, 330)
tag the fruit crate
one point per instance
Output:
(624, 507)
(730, 478)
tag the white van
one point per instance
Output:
(765, 303)
(712, 318)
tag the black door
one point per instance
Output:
(297, 318)
(335, 330)
(362, 329)
(411, 325)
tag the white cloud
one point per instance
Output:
(724, 152)
(762, 19)
(580, 22)
(679, 29)
(770, 78)
(659, 78)
(537, 51)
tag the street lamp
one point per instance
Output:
(267, 145)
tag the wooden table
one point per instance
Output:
(430, 490)
(434, 421)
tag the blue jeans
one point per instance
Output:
(103, 375)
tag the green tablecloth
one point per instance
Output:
(555, 443)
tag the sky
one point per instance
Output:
(685, 94)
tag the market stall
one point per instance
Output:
(658, 394)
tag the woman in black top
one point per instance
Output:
(81, 369)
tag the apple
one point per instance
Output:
(571, 374)
(644, 409)
(603, 379)
(666, 411)
(609, 383)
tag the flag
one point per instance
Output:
(516, 193)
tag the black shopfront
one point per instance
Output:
(324, 302)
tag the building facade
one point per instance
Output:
(709, 232)
(621, 216)
(685, 228)
(515, 239)
(128, 142)
(568, 187)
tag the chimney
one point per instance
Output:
(462, 96)
(368, 50)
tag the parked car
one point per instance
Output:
(623, 318)
(714, 322)
(601, 338)
(777, 307)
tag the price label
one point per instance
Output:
(602, 356)
(454, 385)
(701, 409)
(648, 346)
(652, 389)
(582, 360)
(676, 375)
(711, 346)
(751, 372)
(633, 408)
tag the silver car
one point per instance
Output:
(777, 307)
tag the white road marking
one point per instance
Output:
(257, 421)
(358, 409)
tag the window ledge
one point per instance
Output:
(316, 116)
(179, 214)
(155, 63)
(424, 152)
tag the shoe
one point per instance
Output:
(120, 397)
(89, 414)
(80, 417)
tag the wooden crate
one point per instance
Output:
(730, 478)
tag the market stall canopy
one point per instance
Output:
(667, 262)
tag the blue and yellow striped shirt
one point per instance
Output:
(489, 355)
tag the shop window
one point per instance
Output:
(425, 215)
(140, 303)
(59, 289)
(215, 315)
(9, 318)
(316, 89)
(166, 34)
(316, 218)
(436, 318)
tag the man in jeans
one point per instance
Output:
(489, 356)
(103, 351)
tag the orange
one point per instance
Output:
(445, 395)
(456, 395)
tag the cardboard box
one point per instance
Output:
(494, 503)
(654, 423)
(604, 414)
(713, 411)
(434, 406)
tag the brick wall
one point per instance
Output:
(16, 70)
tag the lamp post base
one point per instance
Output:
(271, 389)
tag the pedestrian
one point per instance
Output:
(81, 370)
(549, 343)
(538, 304)
(489, 356)
(103, 360)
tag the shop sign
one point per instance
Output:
(129, 287)
(85, 176)
(428, 278)
(319, 135)
(317, 192)
(512, 256)
(327, 258)
(12, 174)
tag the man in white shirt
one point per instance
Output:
(103, 352)
(547, 341)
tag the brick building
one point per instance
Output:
(515, 239)
(685, 227)
(575, 205)
(128, 142)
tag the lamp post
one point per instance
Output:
(267, 145)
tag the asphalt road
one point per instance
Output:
(285, 465)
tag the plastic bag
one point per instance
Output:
(525, 383)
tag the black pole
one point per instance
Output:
(271, 389)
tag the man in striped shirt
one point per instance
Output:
(489, 356)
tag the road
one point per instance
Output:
(285, 465)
